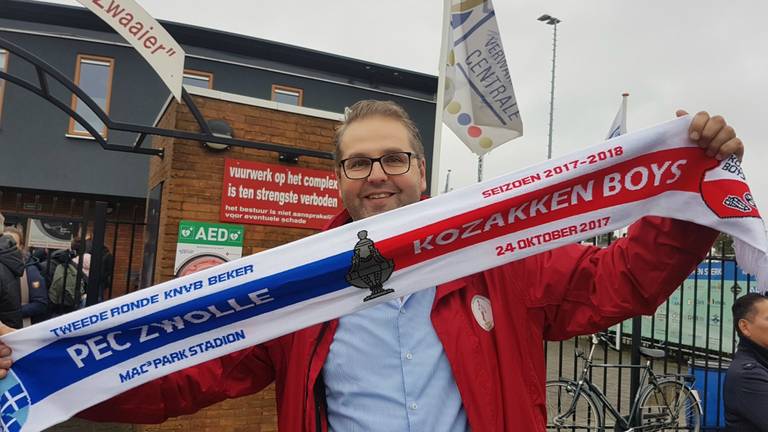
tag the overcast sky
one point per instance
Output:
(692, 54)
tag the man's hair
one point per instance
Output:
(744, 308)
(369, 108)
(13, 230)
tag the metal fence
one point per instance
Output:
(695, 329)
(110, 231)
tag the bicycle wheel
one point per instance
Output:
(670, 406)
(585, 415)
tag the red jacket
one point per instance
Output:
(500, 373)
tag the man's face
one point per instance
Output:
(374, 137)
(755, 327)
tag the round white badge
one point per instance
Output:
(481, 309)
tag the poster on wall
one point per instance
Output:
(50, 234)
(698, 314)
(267, 194)
(202, 244)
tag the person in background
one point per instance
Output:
(40, 257)
(86, 275)
(11, 269)
(106, 272)
(745, 392)
(34, 291)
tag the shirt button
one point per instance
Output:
(414, 406)
(409, 356)
(402, 311)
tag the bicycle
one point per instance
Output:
(665, 402)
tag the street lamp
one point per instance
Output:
(550, 20)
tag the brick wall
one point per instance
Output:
(192, 185)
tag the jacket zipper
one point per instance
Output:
(318, 419)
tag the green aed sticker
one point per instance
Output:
(205, 233)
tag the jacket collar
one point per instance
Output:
(340, 219)
(10, 256)
(761, 354)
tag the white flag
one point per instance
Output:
(479, 103)
(619, 125)
(147, 36)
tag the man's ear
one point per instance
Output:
(423, 174)
(339, 174)
(744, 327)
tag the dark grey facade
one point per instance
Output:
(37, 154)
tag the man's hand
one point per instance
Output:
(5, 352)
(714, 135)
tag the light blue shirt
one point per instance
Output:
(387, 371)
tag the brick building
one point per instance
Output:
(265, 91)
(58, 171)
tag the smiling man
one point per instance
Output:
(380, 160)
(465, 355)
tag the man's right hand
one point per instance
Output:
(5, 352)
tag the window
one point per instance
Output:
(198, 79)
(3, 67)
(94, 76)
(287, 95)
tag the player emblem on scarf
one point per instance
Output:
(369, 268)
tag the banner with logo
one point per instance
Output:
(49, 234)
(480, 104)
(202, 245)
(108, 348)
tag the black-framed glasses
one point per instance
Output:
(357, 168)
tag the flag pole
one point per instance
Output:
(619, 331)
(624, 97)
(434, 189)
(447, 182)
(480, 168)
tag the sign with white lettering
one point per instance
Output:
(268, 194)
(201, 245)
(147, 36)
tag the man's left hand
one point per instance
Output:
(5, 352)
(715, 135)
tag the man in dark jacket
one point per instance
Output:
(746, 385)
(11, 269)
(34, 291)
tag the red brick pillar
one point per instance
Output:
(192, 186)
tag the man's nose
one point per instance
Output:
(377, 173)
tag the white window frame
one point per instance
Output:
(293, 91)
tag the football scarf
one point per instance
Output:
(71, 362)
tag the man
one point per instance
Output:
(746, 384)
(11, 269)
(464, 355)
